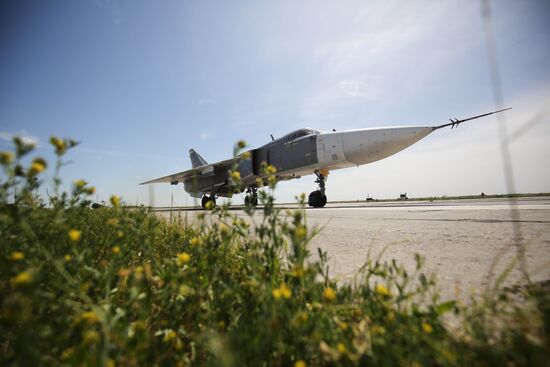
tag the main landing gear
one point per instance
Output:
(251, 198)
(206, 199)
(317, 198)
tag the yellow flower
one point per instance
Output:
(120, 234)
(259, 182)
(276, 293)
(6, 158)
(300, 363)
(235, 175)
(209, 205)
(285, 291)
(111, 363)
(183, 258)
(300, 232)
(241, 144)
(169, 335)
(195, 241)
(21, 278)
(297, 272)
(36, 168)
(74, 235)
(90, 317)
(59, 145)
(329, 294)
(112, 221)
(80, 183)
(382, 290)
(115, 250)
(91, 337)
(115, 200)
(282, 292)
(427, 327)
(17, 256)
(246, 155)
(341, 348)
(67, 257)
(271, 170)
(224, 229)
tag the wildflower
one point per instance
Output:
(186, 291)
(271, 169)
(115, 200)
(329, 294)
(21, 278)
(115, 250)
(382, 290)
(427, 328)
(236, 176)
(74, 235)
(91, 337)
(79, 184)
(276, 293)
(169, 335)
(111, 363)
(241, 144)
(17, 256)
(259, 182)
(224, 229)
(66, 354)
(6, 158)
(341, 348)
(67, 257)
(120, 234)
(300, 363)
(179, 344)
(285, 291)
(246, 155)
(195, 241)
(297, 272)
(282, 292)
(300, 232)
(182, 258)
(37, 166)
(59, 144)
(90, 317)
(209, 205)
(112, 221)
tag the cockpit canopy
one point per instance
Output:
(298, 134)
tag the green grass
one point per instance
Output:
(118, 286)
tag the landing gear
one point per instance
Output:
(251, 199)
(206, 199)
(317, 198)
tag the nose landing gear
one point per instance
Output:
(317, 198)
(251, 199)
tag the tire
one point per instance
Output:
(316, 199)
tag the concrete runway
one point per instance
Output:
(459, 239)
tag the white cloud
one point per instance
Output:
(204, 101)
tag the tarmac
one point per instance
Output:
(465, 243)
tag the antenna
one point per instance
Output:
(272, 138)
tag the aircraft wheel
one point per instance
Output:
(316, 199)
(251, 200)
(206, 199)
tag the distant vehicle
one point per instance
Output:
(299, 153)
(403, 197)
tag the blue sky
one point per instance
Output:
(141, 82)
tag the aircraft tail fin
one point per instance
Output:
(196, 159)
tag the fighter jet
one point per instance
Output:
(300, 153)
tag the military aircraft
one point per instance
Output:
(299, 153)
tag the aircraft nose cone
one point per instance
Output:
(370, 145)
